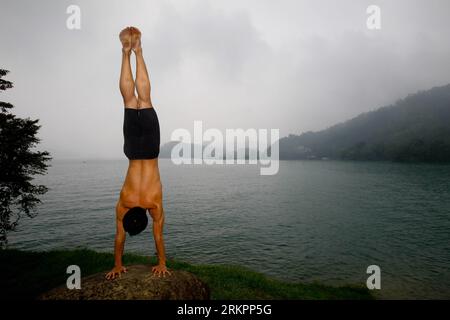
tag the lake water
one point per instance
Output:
(321, 221)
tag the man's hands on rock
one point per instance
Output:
(160, 269)
(115, 272)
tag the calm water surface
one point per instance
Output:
(314, 220)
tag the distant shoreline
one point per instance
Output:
(281, 160)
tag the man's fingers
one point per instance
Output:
(160, 272)
(112, 276)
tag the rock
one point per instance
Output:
(138, 283)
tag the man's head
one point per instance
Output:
(135, 220)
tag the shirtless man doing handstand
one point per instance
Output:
(142, 189)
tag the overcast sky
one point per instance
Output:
(293, 65)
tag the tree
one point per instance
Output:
(18, 165)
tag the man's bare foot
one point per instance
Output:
(116, 271)
(125, 38)
(160, 269)
(135, 39)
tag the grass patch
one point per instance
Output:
(26, 274)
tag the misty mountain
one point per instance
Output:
(166, 150)
(416, 128)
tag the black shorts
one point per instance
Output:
(141, 133)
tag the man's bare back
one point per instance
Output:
(142, 186)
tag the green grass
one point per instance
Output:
(25, 274)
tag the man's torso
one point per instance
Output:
(142, 186)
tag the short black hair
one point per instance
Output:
(135, 220)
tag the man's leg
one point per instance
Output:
(142, 79)
(126, 83)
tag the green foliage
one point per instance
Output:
(414, 129)
(26, 274)
(18, 164)
(4, 84)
